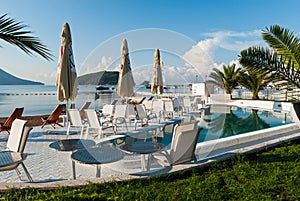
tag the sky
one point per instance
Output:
(194, 36)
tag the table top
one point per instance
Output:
(97, 155)
(10, 158)
(141, 147)
(71, 144)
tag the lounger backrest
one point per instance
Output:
(15, 141)
(16, 114)
(169, 106)
(24, 138)
(56, 112)
(92, 118)
(74, 117)
(85, 106)
(141, 113)
(187, 103)
(120, 111)
(157, 106)
(130, 111)
(184, 142)
(108, 110)
(148, 104)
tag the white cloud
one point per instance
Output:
(220, 48)
(47, 78)
(103, 64)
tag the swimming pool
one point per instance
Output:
(221, 121)
(225, 128)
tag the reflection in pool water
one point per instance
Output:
(223, 121)
(220, 121)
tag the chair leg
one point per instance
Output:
(68, 129)
(73, 170)
(18, 173)
(26, 172)
(81, 132)
(98, 170)
(59, 124)
(86, 132)
(43, 125)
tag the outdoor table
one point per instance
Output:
(71, 145)
(143, 148)
(97, 156)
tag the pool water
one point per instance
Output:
(224, 121)
(220, 122)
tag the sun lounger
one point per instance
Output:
(53, 118)
(85, 106)
(16, 114)
(75, 121)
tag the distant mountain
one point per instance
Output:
(8, 79)
(99, 78)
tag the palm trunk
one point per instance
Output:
(255, 96)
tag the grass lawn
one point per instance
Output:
(272, 174)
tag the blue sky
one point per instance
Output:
(195, 35)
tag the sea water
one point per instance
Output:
(42, 99)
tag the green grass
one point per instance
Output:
(273, 174)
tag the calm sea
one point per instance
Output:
(42, 99)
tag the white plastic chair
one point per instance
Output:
(119, 117)
(106, 115)
(187, 105)
(85, 106)
(93, 122)
(148, 106)
(157, 111)
(141, 116)
(75, 121)
(183, 144)
(13, 155)
(169, 109)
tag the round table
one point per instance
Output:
(142, 147)
(71, 145)
(97, 156)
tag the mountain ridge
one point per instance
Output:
(9, 79)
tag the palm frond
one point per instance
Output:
(284, 42)
(265, 61)
(12, 32)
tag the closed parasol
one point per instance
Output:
(157, 79)
(125, 81)
(66, 80)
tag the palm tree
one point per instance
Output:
(13, 32)
(254, 81)
(282, 58)
(228, 79)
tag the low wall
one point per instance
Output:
(269, 105)
(234, 142)
(32, 120)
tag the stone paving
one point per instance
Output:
(50, 168)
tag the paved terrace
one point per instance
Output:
(50, 168)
